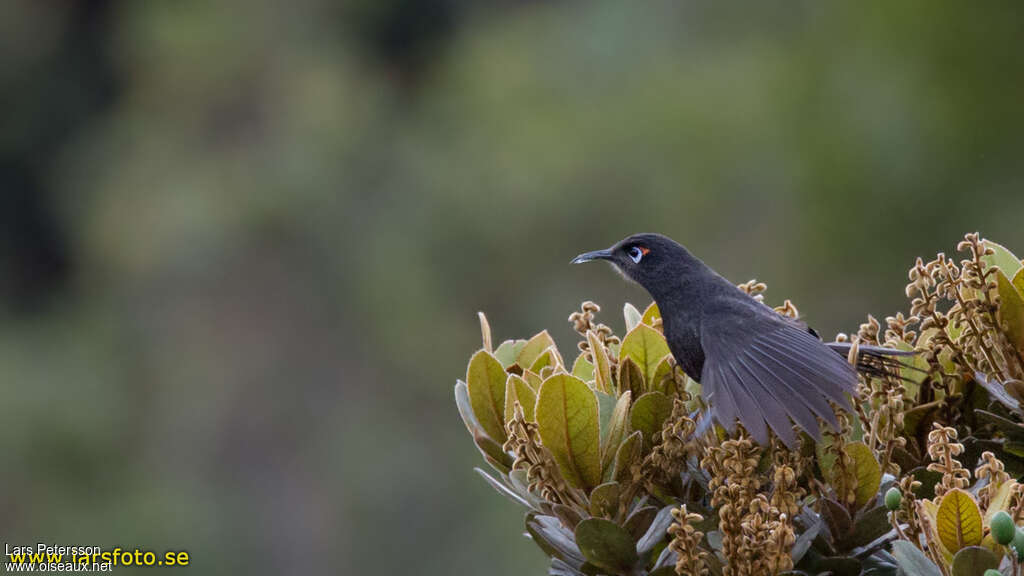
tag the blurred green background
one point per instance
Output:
(243, 243)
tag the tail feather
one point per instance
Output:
(877, 361)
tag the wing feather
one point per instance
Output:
(815, 402)
(772, 410)
(749, 411)
(769, 375)
(778, 385)
(834, 378)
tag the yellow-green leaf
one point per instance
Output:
(604, 499)
(647, 347)
(649, 413)
(533, 379)
(567, 421)
(602, 366)
(869, 474)
(693, 388)
(1011, 310)
(651, 314)
(516, 389)
(958, 520)
(485, 379)
(1018, 280)
(546, 358)
(617, 429)
(533, 348)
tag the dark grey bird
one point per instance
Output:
(754, 364)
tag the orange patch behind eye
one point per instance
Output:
(645, 250)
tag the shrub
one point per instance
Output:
(617, 476)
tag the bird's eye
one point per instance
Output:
(636, 253)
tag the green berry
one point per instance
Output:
(991, 572)
(1018, 544)
(893, 498)
(1003, 530)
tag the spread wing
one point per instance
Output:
(766, 371)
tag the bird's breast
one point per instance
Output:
(683, 337)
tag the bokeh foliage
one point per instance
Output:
(237, 236)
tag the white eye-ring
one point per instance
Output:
(636, 254)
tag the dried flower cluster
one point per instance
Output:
(686, 542)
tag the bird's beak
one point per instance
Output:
(595, 255)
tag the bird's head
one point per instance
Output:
(650, 260)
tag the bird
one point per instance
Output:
(755, 366)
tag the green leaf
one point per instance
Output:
(567, 420)
(604, 500)
(617, 428)
(605, 406)
(630, 378)
(602, 366)
(649, 413)
(582, 368)
(825, 458)
(485, 379)
(868, 526)
(632, 316)
(508, 350)
(913, 371)
(606, 545)
(1018, 280)
(1013, 431)
(628, 453)
(837, 518)
(839, 566)
(647, 347)
(958, 520)
(533, 348)
(639, 521)
(1003, 259)
(869, 474)
(651, 313)
(516, 389)
(912, 560)
(1011, 310)
(973, 561)
(493, 454)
